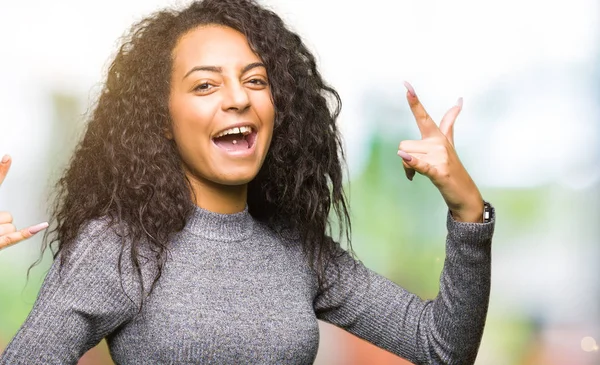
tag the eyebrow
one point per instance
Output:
(218, 69)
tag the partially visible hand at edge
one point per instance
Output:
(8, 232)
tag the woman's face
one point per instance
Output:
(220, 105)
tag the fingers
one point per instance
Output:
(411, 162)
(4, 166)
(426, 125)
(408, 171)
(5, 217)
(430, 156)
(412, 146)
(8, 232)
(418, 147)
(7, 228)
(14, 237)
(447, 123)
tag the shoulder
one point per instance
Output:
(102, 256)
(98, 242)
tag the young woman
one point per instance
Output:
(192, 223)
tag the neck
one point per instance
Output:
(224, 199)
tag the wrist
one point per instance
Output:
(472, 213)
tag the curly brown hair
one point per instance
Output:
(126, 170)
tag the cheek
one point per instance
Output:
(191, 118)
(266, 110)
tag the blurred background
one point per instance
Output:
(529, 134)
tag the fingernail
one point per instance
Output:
(405, 156)
(5, 158)
(459, 102)
(410, 89)
(38, 227)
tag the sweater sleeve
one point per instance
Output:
(446, 330)
(76, 308)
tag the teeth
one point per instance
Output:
(245, 130)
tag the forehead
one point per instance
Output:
(213, 45)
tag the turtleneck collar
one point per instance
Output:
(219, 226)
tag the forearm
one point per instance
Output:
(452, 325)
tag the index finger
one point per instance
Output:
(12, 238)
(4, 166)
(15, 237)
(426, 125)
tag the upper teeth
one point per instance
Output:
(245, 130)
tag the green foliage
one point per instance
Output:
(398, 225)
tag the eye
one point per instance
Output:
(258, 82)
(203, 87)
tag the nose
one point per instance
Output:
(236, 97)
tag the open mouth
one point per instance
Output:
(236, 138)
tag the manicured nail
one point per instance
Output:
(38, 227)
(5, 158)
(410, 89)
(405, 156)
(459, 102)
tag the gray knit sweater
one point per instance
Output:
(235, 292)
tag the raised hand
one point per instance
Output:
(435, 157)
(8, 232)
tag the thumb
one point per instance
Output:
(447, 123)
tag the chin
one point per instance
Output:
(237, 178)
(236, 181)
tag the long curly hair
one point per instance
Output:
(124, 168)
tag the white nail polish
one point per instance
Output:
(38, 227)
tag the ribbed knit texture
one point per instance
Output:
(234, 292)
